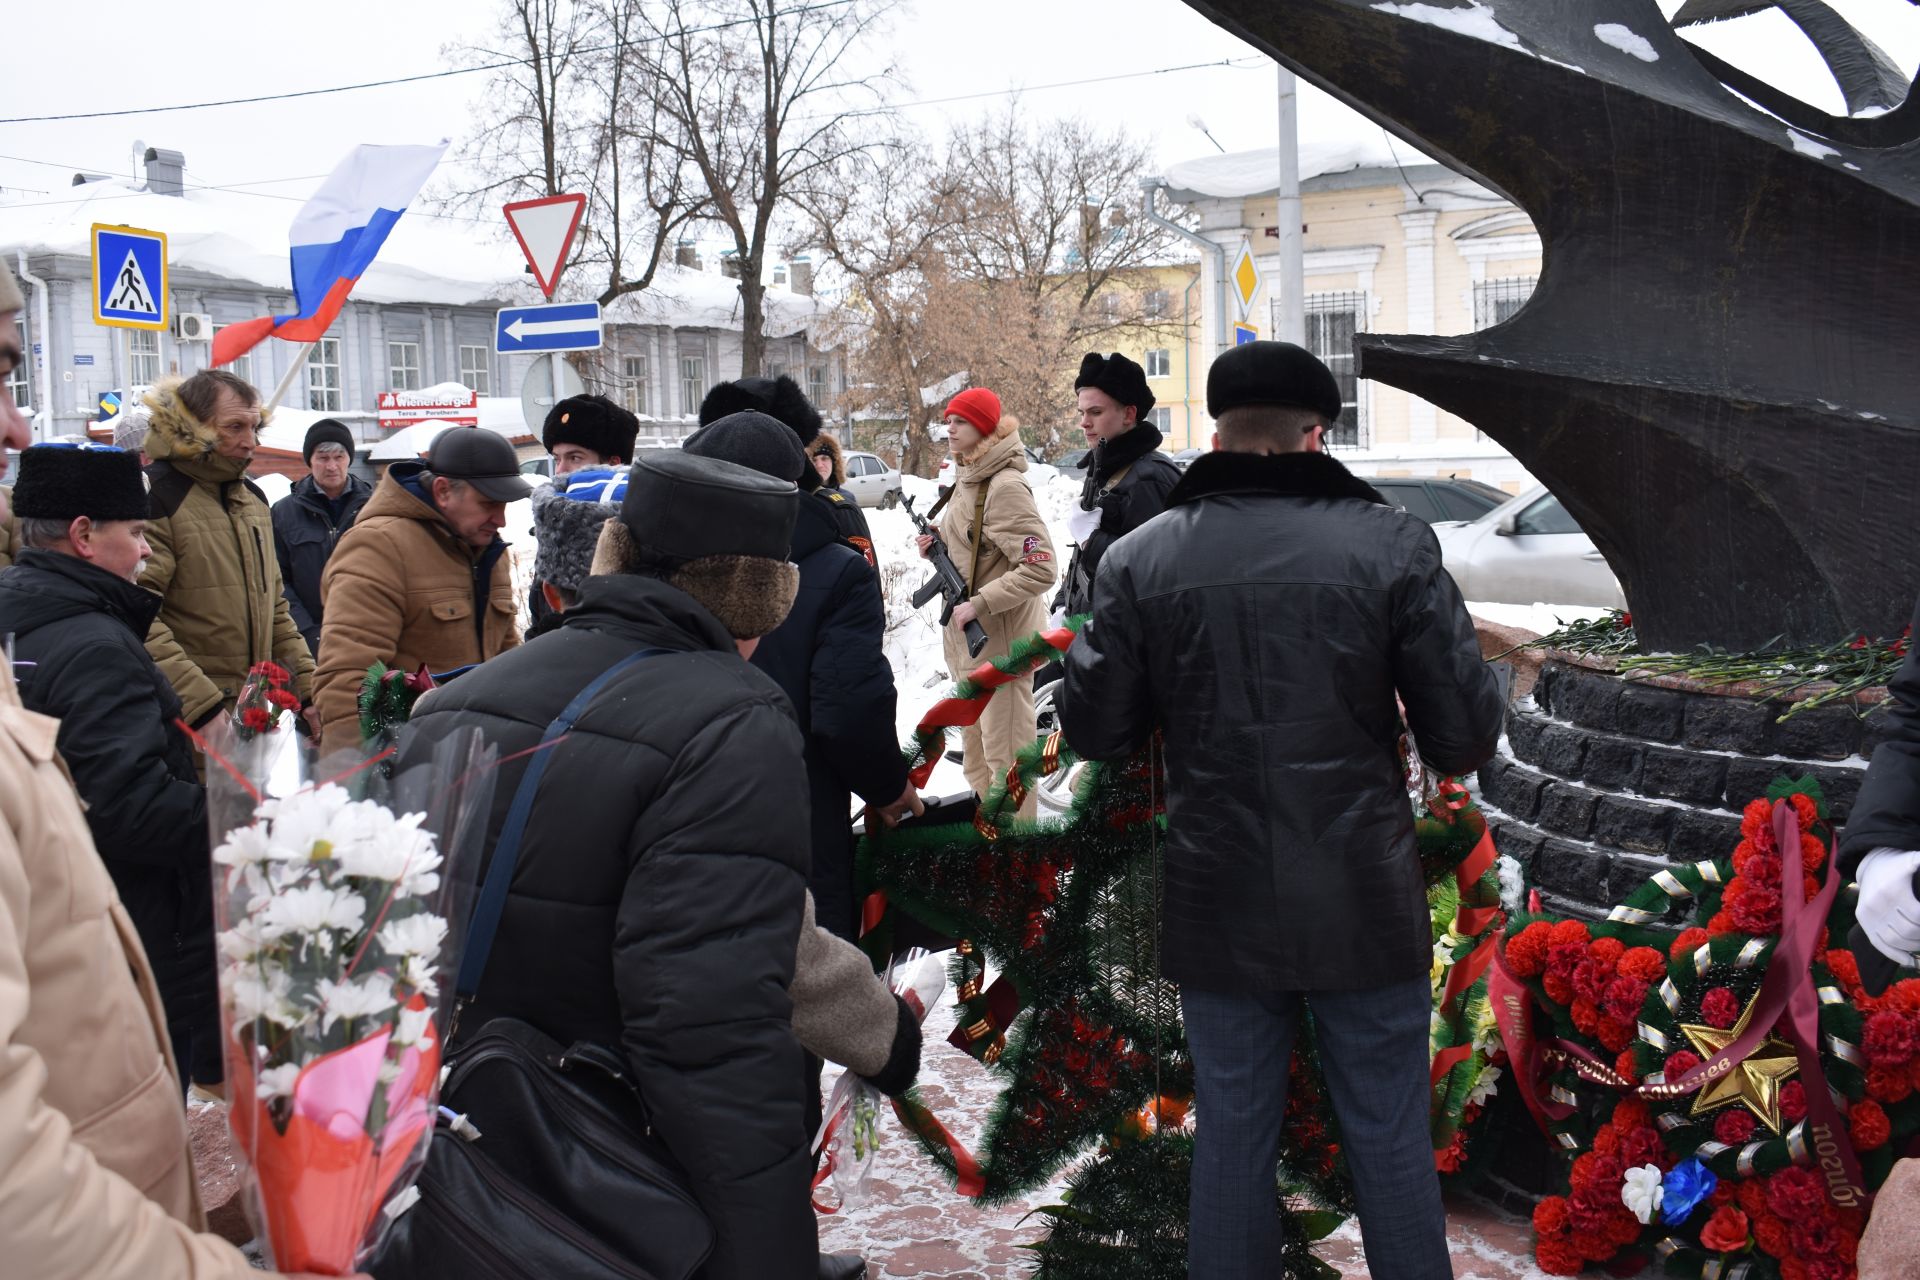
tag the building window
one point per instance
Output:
(693, 384)
(240, 366)
(403, 366)
(1332, 321)
(1159, 363)
(1156, 304)
(145, 346)
(633, 383)
(20, 382)
(1495, 301)
(1162, 419)
(817, 386)
(323, 377)
(476, 371)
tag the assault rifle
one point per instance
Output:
(946, 582)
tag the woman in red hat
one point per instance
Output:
(1000, 545)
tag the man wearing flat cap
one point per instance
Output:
(660, 888)
(308, 522)
(1128, 478)
(422, 578)
(1266, 624)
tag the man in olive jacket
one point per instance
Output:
(213, 566)
(1265, 623)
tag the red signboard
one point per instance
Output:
(404, 408)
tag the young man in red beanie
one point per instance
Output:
(1001, 546)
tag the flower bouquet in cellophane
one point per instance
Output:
(340, 913)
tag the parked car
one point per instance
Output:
(1528, 550)
(1435, 500)
(871, 481)
(1074, 459)
(540, 468)
(1185, 457)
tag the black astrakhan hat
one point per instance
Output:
(685, 507)
(779, 397)
(1272, 373)
(66, 481)
(594, 423)
(1120, 378)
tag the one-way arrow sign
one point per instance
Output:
(555, 326)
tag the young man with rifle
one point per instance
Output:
(999, 547)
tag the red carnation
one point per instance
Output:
(1643, 964)
(1845, 969)
(1792, 1268)
(1550, 1216)
(1720, 923)
(1567, 931)
(1751, 1196)
(1630, 1114)
(1813, 1236)
(1556, 1256)
(272, 672)
(1681, 1062)
(1806, 810)
(1733, 1128)
(1691, 939)
(1564, 957)
(1793, 1101)
(1757, 820)
(1756, 911)
(1867, 1121)
(1558, 986)
(1613, 1034)
(1813, 852)
(1594, 1246)
(1606, 1141)
(1719, 1007)
(1725, 1231)
(283, 700)
(1903, 996)
(1623, 998)
(1795, 1193)
(1888, 1084)
(1585, 1014)
(1743, 855)
(1527, 950)
(1828, 1269)
(1770, 1233)
(1627, 1065)
(256, 719)
(1764, 869)
(1643, 1146)
(1889, 1038)
(1607, 951)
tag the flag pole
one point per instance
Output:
(286, 379)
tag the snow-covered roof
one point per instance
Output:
(432, 260)
(1240, 174)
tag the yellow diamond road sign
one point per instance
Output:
(1246, 279)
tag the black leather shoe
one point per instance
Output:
(842, 1266)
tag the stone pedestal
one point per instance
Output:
(1602, 781)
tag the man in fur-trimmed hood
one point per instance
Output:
(222, 605)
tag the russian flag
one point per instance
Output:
(334, 238)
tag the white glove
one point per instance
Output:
(1888, 911)
(1056, 619)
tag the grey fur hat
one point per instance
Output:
(568, 530)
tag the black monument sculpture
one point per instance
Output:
(1719, 371)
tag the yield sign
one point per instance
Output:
(545, 230)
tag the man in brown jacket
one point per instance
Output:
(96, 1177)
(422, 578)
(1001, 546)
(213, 565)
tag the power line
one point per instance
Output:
(427, 75)
(1235, 64)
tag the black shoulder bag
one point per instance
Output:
(554, 1170)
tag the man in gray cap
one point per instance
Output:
(422, 577)
(1265, 624)
(659, 889)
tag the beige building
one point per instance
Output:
(1394, 244)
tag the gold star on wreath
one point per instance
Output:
(1755, 1081)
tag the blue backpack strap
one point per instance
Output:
(506, 851)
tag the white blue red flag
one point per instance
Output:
(334, 238)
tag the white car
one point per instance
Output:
(871, 481)
(1528, 550)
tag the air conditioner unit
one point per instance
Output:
(193, 326)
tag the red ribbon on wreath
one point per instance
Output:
(1468, 921)
(958, 713)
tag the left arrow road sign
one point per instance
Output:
(558, 326)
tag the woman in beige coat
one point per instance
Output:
(1001, 546)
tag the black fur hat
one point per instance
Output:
(779, 397)
(66, 481)
(594, 423)
(1120, 378)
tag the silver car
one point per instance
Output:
(1528, 550)
(871, 481)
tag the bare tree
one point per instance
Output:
(763, 99)
(567, 119)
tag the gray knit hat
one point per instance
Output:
(567, 516)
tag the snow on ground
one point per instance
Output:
(1539, 618)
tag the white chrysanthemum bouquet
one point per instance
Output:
(338, 923)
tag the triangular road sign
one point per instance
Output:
(129, 290)
(545, 230)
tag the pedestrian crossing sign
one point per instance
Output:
(129, 277)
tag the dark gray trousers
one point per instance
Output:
(1374, 1048)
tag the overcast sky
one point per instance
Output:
(146, 57)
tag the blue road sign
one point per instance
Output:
(129, 277)
(1245, 333)
(555, 326)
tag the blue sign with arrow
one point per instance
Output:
(554, 326)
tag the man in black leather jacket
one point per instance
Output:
(1128, 478)
(1265, 624)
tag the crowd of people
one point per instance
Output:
(685, 886)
